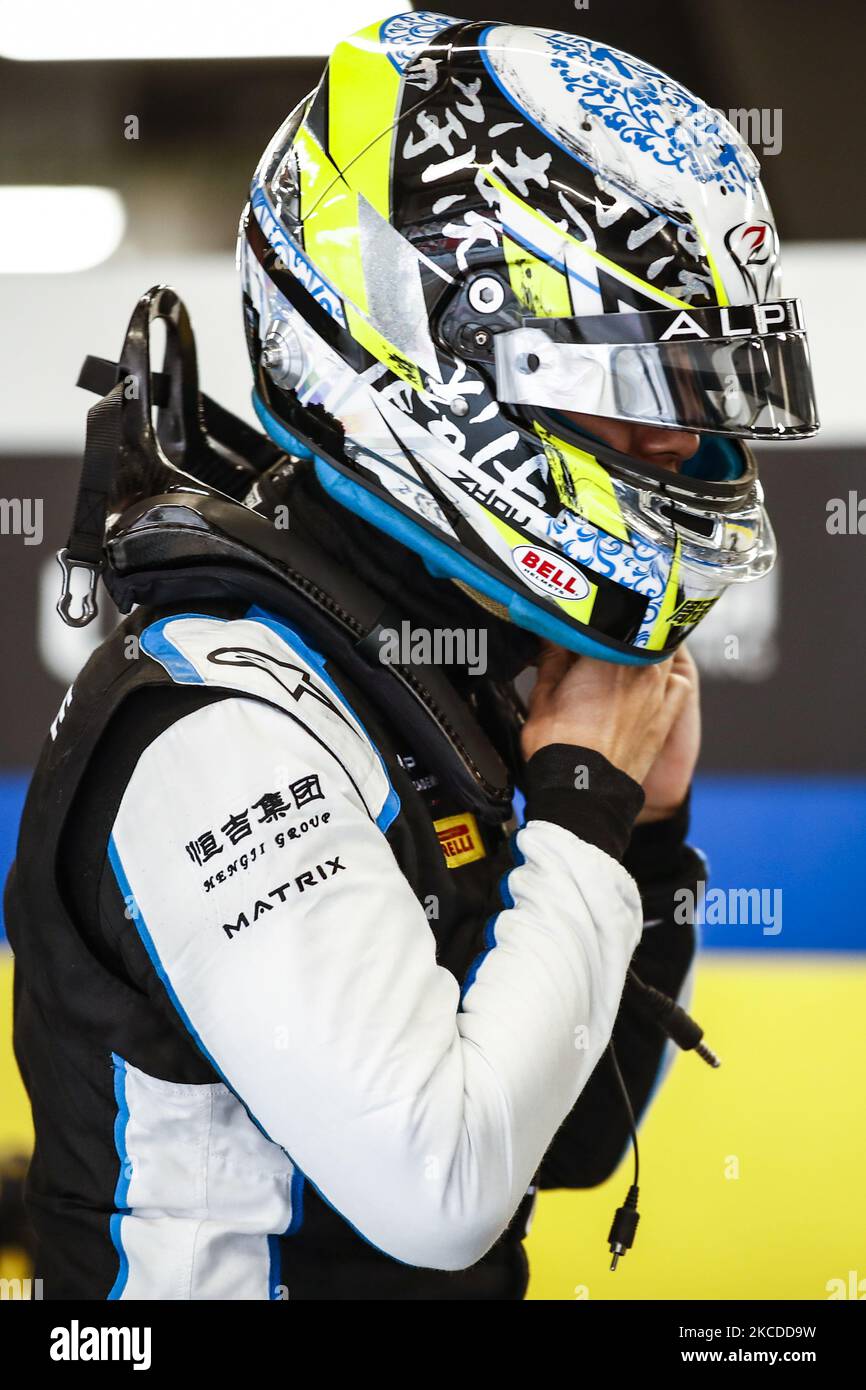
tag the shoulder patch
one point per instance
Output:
(259, 656)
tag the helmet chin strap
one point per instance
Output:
(490, 605)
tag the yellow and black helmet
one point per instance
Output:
(468, 234)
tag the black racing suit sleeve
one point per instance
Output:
(593, 1138)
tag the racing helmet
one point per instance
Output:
(468, 234)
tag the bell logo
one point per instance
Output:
(551, 574)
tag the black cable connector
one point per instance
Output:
(624, 1226)
(680, 1027)
(622, 1231)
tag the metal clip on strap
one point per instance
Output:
(83, 549)
(88, 602)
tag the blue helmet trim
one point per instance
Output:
(277, 431)
(440, 559)
(718, 460)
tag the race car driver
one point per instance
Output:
(297, 1014)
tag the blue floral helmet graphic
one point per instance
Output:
(471, 242)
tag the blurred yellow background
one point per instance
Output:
(786, 1106)
(785, 1111)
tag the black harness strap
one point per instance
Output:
(84, 548)
(99, 374)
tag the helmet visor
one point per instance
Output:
(742, 370)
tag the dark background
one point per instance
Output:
(204, 124)
(806, 716)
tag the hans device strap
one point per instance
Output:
(159, 515)
(83, 550)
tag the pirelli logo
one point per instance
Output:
(460, 839)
